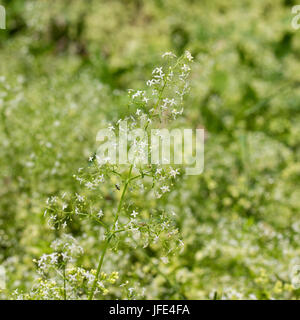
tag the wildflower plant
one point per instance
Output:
(130, 186)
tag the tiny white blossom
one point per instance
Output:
(185, 68)
(151, 82)
(165, 189)
(188, 55)
(79, 197)
(174, 173)
(100, 214)
(134, 213)
(130, 290)
(165, 260)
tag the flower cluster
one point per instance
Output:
(131, 223)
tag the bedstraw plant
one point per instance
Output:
(119, 214)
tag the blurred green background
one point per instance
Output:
(65, 67)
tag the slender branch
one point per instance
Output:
(99, 268)
(123, 195)
(106, 245)
(64, 276)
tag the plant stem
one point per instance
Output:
(106, 245)
(64, 275)
(123, 195)
(99, 268)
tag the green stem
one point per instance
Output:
(106, 245)
(64, 275)
(99, 268)
(123, 195)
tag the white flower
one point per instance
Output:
(172, 102)
(134, 213)
(151, 82)
(130, 290)
(173, 173)
(53, 257)
(79, 197)
(165, 189)
(99, 179)
(185, 68)
(158, 171)
(137, 94)
(188, 55)
(100, 214)
(90, 185)
(157, 70)
(165, 260)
